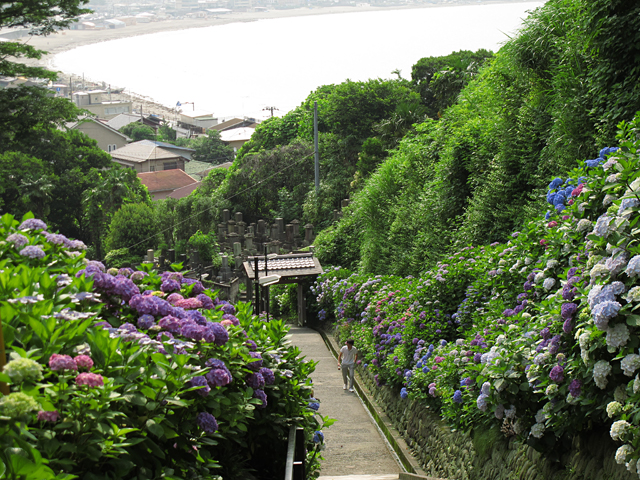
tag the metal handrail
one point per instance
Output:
(294, 469)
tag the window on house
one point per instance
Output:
(152, 168)
(170, 165)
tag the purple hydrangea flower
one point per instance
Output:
(207, 303)
(193, 331)
(174, 297)
(18, 240)
(557, 374)
(262, 396)
(251, 345)
(267, 374)
(170, 324)
(255, 380)
(207, 422)
(575, 388)
(200, 381)
(32, 224)
(228, 308)
(221, 334)
(255, 364)
(32, 251)
(146, 321)
(232, 318)
(568, 310)
(169, 285)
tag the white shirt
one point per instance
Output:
(348, 356)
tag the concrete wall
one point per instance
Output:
(102, 135)
(487, 454)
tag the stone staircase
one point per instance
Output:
(400, 476)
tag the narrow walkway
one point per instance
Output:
(353, 445)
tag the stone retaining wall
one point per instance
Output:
(488, 455)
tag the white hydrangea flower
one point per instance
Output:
(617, 336)
(541, 416)
(525, 315)
(552, 263)
(499, 412)
(500, 340)
(528, 261)
(631, 465)
(630, 364)
(633, 295)
(633, 267)
(539, 277)
(549, 283)
(613, 409)
(537, 430)
(598, 270)
(622, 453)
(601, 371)
(619, 429)
(551, 390)
(584, 225)
(620, 394)
(510, 412)
(20, 369)
(518, 427)
(608, 200)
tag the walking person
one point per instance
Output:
(347, 362)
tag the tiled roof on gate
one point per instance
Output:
(287, 266)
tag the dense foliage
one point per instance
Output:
(548, 97)
(124, 374)
(536, 337)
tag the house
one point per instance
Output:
(125, 119)
(197, 170)
(108, 138)
(162, 184)
(236, 137)
(234, 123)
(94, 102)
(113, 23)
(200, 119)
(150, 156)
(184, 191)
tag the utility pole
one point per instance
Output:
(270, 109)
(315, 144)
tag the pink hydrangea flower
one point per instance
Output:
(90, 379)
(189, 303)
(543, 242)
(226, 323)
(62, 362)
(48, 416)
(552, 224)
(174, 297)
(83, 361)
(439, 359)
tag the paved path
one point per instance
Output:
(353, 444)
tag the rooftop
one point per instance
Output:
(165, 180)
(139, 152)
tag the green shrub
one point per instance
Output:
(134, 227)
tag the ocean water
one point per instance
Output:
(240, 69)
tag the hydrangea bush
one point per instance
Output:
(538, 337)
(118, 374)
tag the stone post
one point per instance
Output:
(150, 256)
(226, 215)
(238, 217)
(289, 238)
(237, 249)
(308, 234)
(248, 241)
(222, 231)
(261, 227)
(231, 226)
(280, 227)
(171, 255)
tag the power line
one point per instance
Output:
(228, 198)
(270, 109)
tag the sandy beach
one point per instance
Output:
(70, 39)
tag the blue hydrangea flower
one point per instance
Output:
(457, 396)
(555, 183)
(318, 437)
(403, 393)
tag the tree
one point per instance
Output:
(33, 137)
(134, 226)
(137, 131)
(439, 80)
(211, 149)
(42, 18)
(111, 189)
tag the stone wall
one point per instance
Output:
(488, 455)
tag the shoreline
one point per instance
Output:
(66, 40)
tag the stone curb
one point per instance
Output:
(412, 469)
